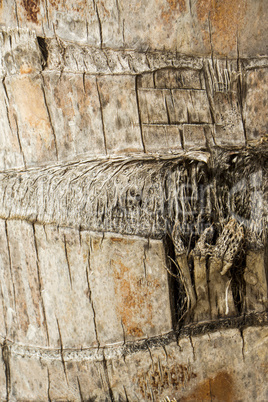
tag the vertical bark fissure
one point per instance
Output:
(10, 265)
(139, 113)
(90, 298)
(192, 345)
(48, 386)
(49, 118)
(80, 390)
(99, 22)
(46, 12)
(61, 352)
(16, 12)
(102, 117)
(67, 261)
(105, 367)
(240, 90)
(19, 141)
(6, 361)
(40, 283)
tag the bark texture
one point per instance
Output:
(133, 200)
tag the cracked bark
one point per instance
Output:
(90, 297)
(6, 360)
(106, 373)
(62, 352)
(102, 118)
(49, 118)
(40, 284)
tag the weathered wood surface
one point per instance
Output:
(166, 103)
(120, 122)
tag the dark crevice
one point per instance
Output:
(6, 360)
(107, 378)
(43, 48)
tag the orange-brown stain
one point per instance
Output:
(76, 6)
(226, 18)
(134, 298)
(25, 69)
(32, 8)
(171, 10)
(218, 388)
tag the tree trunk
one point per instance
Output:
(133, 200)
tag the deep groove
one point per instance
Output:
(240, 91)
(40, 283)
(6, 361)
(61, 351)
(107, 377)
(99, 22)
(80, 391)
(102, 117)
(49, 118)
(19, 141)
(67, 261)
(139, 113)
(43, 49)
(90, 298)
(10, 264)
(48, 386)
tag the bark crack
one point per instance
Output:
(48, 386)
(6, 360)
(40, 283)
(49, 118)
(105, 367)
(192, 345)
(10, 264)
(61, 352)
(99, 22)
(102, 117)
(90, 298)
(67, 261)
(243, 343)
(80, 390)
(19, 141)
(240, 91)
(139, 113)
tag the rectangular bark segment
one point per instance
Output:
(153, 107)
(119, 109)
(63, 265)
(174, 78)
(29, 312)
(79, 289)
(129, 287)
(75, 114)
(194, 136)
(32, 118)
(256, 114)
(10, 151)
(9, 321)
(190, 106)
(161, 137)
(229, 125)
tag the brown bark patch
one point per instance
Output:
(169, 12)
(32, 8)
(219, 388)
(226, 18)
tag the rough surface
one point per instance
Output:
(164, 101)
(133, 200)
(193, 368)
(60, 290)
